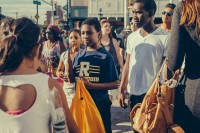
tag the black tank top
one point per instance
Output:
(111, 49)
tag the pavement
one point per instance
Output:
(120, 120)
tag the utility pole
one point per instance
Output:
(100, 14)
(16, 15)
(37, 3)
(126, 13)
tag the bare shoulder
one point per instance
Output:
(53, 83)
(115, 42)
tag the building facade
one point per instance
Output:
(113, 10)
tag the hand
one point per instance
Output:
(86, 82)
(60, 74)
(121, 98)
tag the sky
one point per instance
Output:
(26, 8)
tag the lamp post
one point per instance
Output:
(126, 13)
(100, 13)
(37, 15)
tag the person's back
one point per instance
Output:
(15, 112)
(27, 96)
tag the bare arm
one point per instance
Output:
(119, 56)
(100, 86)
(73, 128)
(124, 82)
(177, 40)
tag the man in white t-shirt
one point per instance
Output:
(146, 49)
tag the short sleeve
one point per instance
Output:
(64, 56)
(128, 45)
(165, 46)
(111, 71)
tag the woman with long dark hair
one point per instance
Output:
(25, 94)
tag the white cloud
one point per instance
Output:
(26, 8)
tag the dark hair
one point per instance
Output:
(56, 32)
(92, 22)
(149, 6)
(74, 30)
(19, 45)
(170, 5)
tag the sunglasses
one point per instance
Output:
(167, 13)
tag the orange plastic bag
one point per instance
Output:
(85, 112)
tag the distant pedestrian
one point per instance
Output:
(111, 45)
(167, 15)
(62, 71)
(52, 48)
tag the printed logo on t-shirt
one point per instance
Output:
(84, 69)
(88, 71)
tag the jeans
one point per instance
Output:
(104, 108)
(133, 100)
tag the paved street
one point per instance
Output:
(120, 119)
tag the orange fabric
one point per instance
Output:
(85, 112)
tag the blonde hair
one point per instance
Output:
(191, 14)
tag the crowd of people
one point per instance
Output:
(39, 68)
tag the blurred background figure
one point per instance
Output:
(43, 34)
(65, 39)
(6, 27)
(52, 49)
(62, 71)
(133, 26)
(167, 15)
(77, 25)
(126, 31)
(111, 45)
